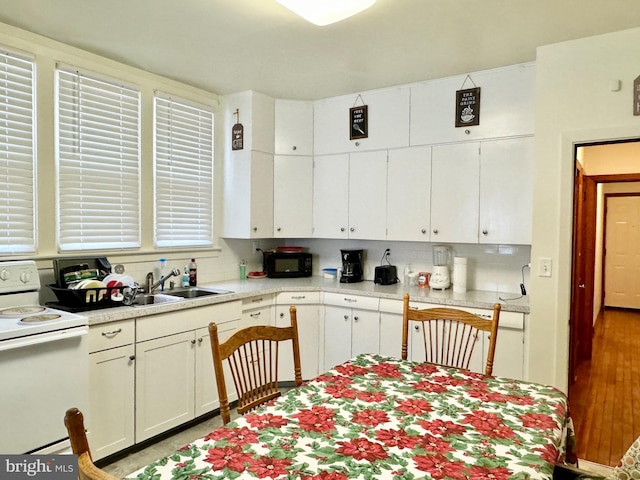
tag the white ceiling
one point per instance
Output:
(227, 46)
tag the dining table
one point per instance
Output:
(376, 417)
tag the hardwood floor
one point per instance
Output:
(605, 400)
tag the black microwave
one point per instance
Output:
(287, 265)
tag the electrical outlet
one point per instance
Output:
(544, 267)
(256, 248)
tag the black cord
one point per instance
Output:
(522, 289)
(386, 254)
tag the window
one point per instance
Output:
(183, 173)
(17, 155)
(98, 162)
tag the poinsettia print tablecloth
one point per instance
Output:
(382, 418)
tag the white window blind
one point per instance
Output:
(98, 155)
(183, 173)
(17, 155)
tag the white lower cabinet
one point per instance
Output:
(110, 419)
(308, 316)
(174, 374)
(351, 327)
(257, 310)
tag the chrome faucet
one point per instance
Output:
(150, 286)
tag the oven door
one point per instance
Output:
(42, 376)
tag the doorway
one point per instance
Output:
(603, 171)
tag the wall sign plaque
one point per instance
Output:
(237, 137)
(636, 96)
(468, 107)
(359, 122)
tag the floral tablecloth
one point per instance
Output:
(382, 418)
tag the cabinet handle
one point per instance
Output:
(435, 231)
(255, 315)
(132, 357)
(256, 300)
(485, 232)
(298, 297)
(112, 333)
(200, 340)
(355, 319)
(350, 300)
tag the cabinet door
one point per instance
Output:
(206, 390)
(308, 332)
(293, 127)
(455, 193)
(388, 119)
(391, 334)
(164, 384)
(365, 332)
(110, 420)
(368, 195)
(337, 336)
(409, 194)
(292, 196)
(506, 191)
(331, 196)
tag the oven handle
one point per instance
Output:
(41, 338)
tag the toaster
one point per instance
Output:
(386, 275)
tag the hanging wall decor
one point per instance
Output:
(636, 96)
(468, 105)
(237, 133)
(358, 121)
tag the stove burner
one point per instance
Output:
(40, 318)
(13, 311)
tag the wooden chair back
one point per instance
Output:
(74, 421)
(252, 356)
(449, 335)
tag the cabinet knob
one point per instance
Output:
(342, 229)
(281, 315)
(485, 231)
(357, 144)
(255, 229)
(416, 328)
(193, 342)
(200, 340)
(278, 229)
(355, 319)
(352, 229)
(132, 357)
(435, 231)
(294, 148)
(467, 131)
(346, 317)
(423, 231)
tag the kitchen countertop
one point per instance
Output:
(251, 287)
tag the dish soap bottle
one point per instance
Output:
(193, 273)
(185, 277)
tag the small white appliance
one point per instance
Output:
(441, 276)
(43, 364)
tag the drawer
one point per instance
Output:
(352, 301)
(257, 316)
(111, 335)
(298, 298)
(257, 302)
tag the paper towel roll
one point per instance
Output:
(459, 274)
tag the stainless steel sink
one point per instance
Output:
(177, 295)
(196, 292)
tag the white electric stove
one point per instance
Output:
(43, 364)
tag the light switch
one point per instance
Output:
(544, 267)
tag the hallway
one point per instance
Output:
(605, 400)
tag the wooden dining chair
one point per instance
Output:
(449, 335)
(252, 355)
(74, 421)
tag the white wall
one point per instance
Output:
(573, 105)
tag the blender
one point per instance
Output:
(351, 266)
(440, 277)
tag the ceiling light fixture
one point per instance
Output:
(324, 12)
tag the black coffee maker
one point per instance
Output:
(351, 266)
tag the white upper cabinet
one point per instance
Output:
(331, 196)
(409, 194)
(506, 191)
(293, 127)
(506, 106)
(292, 196)
(455, 193)
(368, 195)
(248, 173)
(388, 121)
